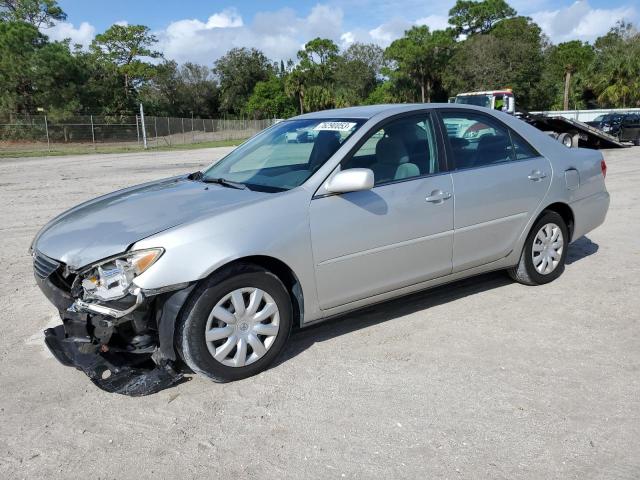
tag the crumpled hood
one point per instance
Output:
(107, 225)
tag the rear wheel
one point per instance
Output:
(545, 251)
(566, 139)
(236, 324)
(636, 142)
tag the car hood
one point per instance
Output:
(108, 225)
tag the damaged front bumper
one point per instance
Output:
(124, 348)
(114, 373)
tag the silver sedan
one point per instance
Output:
(212, 270)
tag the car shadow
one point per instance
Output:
(302, 339)
(581, 248)
(390, 310)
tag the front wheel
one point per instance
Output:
(235, 324)
(544, 253)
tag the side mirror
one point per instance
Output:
(351, 180)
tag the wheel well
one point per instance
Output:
(566, 213)
(286, 276)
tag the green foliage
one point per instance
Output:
(420, 57)
(126, 47)
(238, 73)
(615, 72)
(357, 72)
(469, 17)
(511, 55)
(269, 100)
(488, 47)
(184, 91)
(565, 65)
(36, 12)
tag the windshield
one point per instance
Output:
(285, 155)
(479, 100)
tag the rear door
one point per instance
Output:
(396, 234)
(499, 181)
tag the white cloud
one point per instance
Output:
(580, 21)
(225, 19)
(387, 32)
(279, 34)
(63, 30)
(434, 22)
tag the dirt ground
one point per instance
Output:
(485, 378)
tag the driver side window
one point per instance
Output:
(402, 149)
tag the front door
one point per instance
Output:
(397, 234)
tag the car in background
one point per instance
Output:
(208, 272)
(630, 128)
(608, 123)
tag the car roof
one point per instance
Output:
(370, 111)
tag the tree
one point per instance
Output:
(19, 44)
(615, 70)
(36, 12)
(294, 87)
(238, 72)
(565, 60)
(420, 56)
(357, 73)
(511, 55)
(269, 100)
(126, 47)
(189, 90)
(470, 17)
(318, 60)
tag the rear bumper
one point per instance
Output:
(130, 374)
(589, 213)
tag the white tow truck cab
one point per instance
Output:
(502, 100)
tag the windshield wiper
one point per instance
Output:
(226, 183)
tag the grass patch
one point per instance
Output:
(28, 151)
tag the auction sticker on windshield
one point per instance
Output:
(335, 126)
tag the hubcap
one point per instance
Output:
(547, 248)
(242, 327)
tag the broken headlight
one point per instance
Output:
(111, 279)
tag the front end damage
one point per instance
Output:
(124, 345)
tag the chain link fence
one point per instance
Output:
(21, 134)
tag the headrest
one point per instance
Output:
(391, 150)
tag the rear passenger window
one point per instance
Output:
(478, 140)
(521, 148)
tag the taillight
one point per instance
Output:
(603, 167)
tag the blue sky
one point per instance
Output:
(201, 31)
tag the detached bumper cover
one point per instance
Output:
(114, 373)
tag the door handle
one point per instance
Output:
(536, 176)
(438, 196)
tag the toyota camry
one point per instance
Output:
(208, 272)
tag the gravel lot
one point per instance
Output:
(481, 379)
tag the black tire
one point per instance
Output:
(525, 271)
(636, 142)
(190, 329)
(566, 139)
